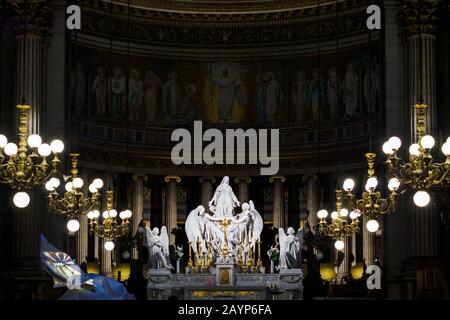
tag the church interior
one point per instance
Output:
(354, 117)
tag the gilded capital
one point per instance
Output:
(31, 17)
(415, 19)
(275, 178)
(140, 176)
(169, 178)
(309, 177)
(207, 179)
(237, 180)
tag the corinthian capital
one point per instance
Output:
(419, 16)
(32, 17)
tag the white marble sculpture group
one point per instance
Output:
(224, 236)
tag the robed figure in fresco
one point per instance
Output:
(171, 97)
(333, 89)
(227, 76)
(272, 96)
(350, 90)
(99, 90)
(298, 96)
(135, 95)
(152, 83)
(315, 96)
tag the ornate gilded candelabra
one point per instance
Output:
(371, 204)
(342, 223)
(420, 173)
(109, 228)
(73, 203)
(25, 165)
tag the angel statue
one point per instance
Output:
(224, 200)
(256, 225)
(195, 227)
(290, 248)
(158, 248)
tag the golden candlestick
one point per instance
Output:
(259, 263)
(190, 262)
(225, 223)
(209, 257)
(199, 254)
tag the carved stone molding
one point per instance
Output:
(174, 27)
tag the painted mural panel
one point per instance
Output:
(158, 92)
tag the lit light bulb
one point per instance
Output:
(372, 183)
(11, 149)
(73, 225)
(98, 183)
(105, 214)
(344, 212)
(96, 214)
(414, 150)
(113, 213)
(129, 213)
(387, 148)
(109, 246)
(69, 187)
(349, 184)
(44, 150)
(339, 245)
(446, 149)
(49, 186)
(78, 183)
(394, 184)
(3, 141)
(334, 215)
(55, 182)
(90, 215)
(92, 188)
(34, 141)
(372, 226)
(21, 200)
(422, 199)
(427, 142)
(355, 214)
(123, 215)
(395, 143)
(57, 146)
(322, 214)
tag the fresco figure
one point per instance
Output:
(188, 110)
(333, 89)
(171, 97)
(315, 96)
(135, 95)
(152, 83)
(298, 95)
(260, 92)
(372, 87)
(272, 96)
(78, 88)
(228, 77)
(350, 89)
(99, 89)
(118, 96)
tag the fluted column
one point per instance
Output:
(344, 269)
(31, 21)
(312, 201)
(171, 205)
(243, 193)
(207, 190)
(106, 256)
(137, 205)
(368, 243)
(278, 201)
(83, 233)
(421, 51)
